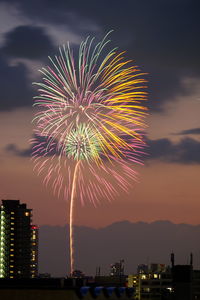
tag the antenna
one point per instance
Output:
(172, 259)
(191, 259)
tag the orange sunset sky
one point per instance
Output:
(169, 181)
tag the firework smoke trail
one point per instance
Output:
(89, 124)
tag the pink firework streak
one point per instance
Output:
(89, 123)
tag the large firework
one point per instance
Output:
(89, 124)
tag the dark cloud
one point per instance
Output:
(187, 151)
(15, 85)
(189, 131)
(27, 42)
(41, 142)
(16, 90)
(13, 149)
(162, 36)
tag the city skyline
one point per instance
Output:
(167, 50)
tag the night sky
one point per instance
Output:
(162, 36)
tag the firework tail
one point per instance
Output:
(71, 228)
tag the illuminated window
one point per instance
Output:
(12, 239)
(143, 276)
(33, 244)
(34, 237)
(11, 254)
(12, 228)
(12, 218)
(11, 266)
(27, 214)
(155, 275)
(11, 277)
(12, 213)
(12, 223)
(11, 244)
(11, 271)
(11, 249)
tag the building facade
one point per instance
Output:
(18, 241)
(34, 251)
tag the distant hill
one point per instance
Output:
(136, 243)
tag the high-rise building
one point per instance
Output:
(18, 241)
(34, 251)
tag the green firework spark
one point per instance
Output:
(82, 143)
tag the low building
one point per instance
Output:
(60, 289)
(151, 285)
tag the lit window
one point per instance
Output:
(12, 223)
(11, 249)
(27, 214)
(11, 271)
(11, 244)
(11, 266)
(12, 228)
(12, 218)
(12, 213)
(143, 276)
(34, 237)
(12, 233)
(11, 277)
(155, 275)
(11, 254)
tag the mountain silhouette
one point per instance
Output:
(136, 243)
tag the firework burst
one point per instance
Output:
(89, 117)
